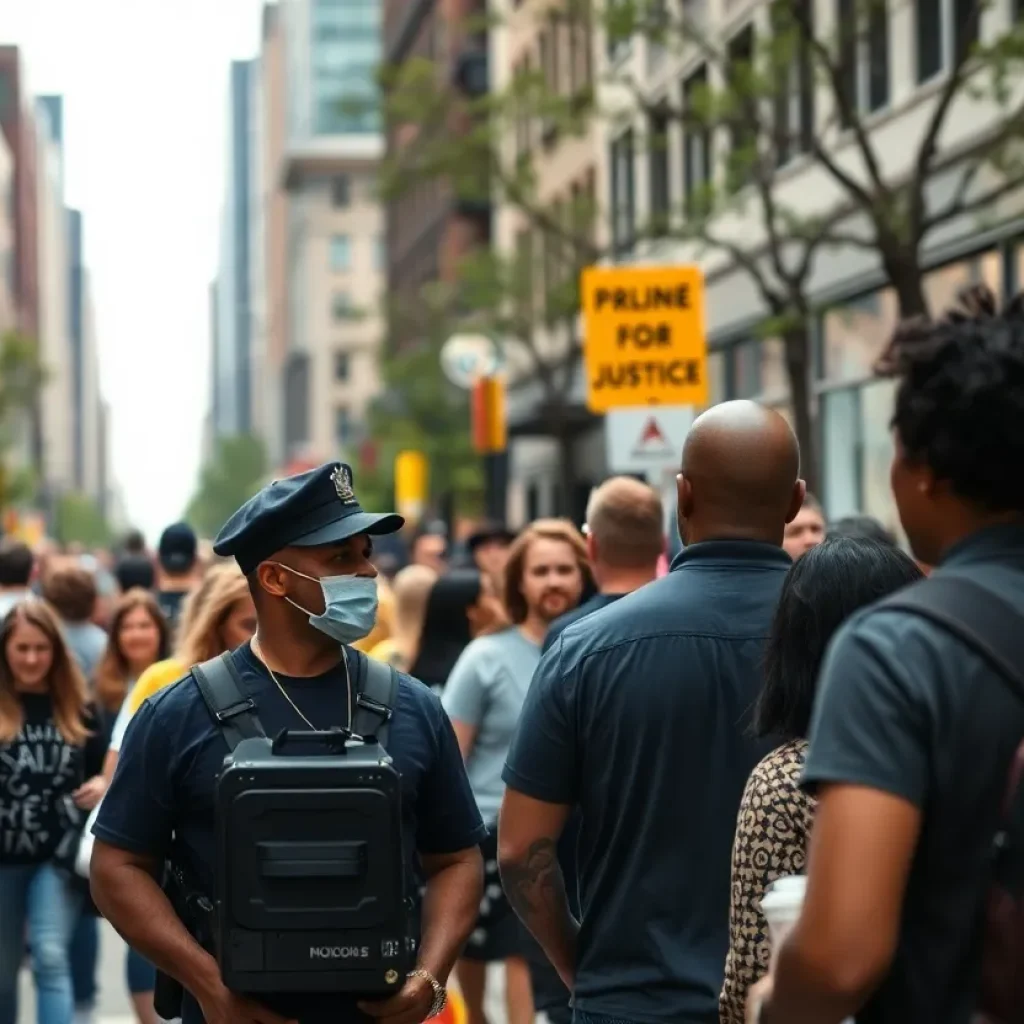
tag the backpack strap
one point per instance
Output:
(376, 693)
(985, 622)
(221, 686)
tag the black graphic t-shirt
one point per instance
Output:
(39, 770)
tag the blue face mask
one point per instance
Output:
(350, 606)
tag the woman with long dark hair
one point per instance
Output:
(51, 755)
(462, 605)
(822, 590)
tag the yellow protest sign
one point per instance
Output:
(644, 340)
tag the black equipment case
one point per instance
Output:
(311, 875)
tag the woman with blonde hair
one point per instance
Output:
(218, 617)
(51, 747)
(411, 589)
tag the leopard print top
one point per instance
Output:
(771, 841)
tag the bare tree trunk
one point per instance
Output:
(903, 268)
(797, 341)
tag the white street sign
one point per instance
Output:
(465, 358)
(645, 440)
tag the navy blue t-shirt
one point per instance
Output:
(173, 752)
(639, 716)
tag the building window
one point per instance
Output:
(857, 452)
(696, 141)
(617, 46)
(342, 426)
(623, 184)
(341, 306)
(794, 90)
(525, 275)
(580, 42)
(928, 24)
(658, 179)
(523, 115)
(864, 54)
(341, 367)
(742, 127)
(341, 253)
(854, 334)
(945, 29)
(549, 69)
(341, 191)
(747, 377)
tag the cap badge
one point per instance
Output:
(342, 480)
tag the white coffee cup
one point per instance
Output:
(781, 906)
(782, 902)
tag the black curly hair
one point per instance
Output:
(960, 399)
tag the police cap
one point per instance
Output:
(313, 508)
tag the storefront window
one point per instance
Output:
(774, 380)
(876, 451)
(942, 286)
(840, 452)
(857, 452)
(717, 378)
(854, 334)
(746, 363)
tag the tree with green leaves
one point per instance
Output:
(528, 299)
(420, 409)
(22, 377)
(79, 520)
(234, 474)
(771, 99)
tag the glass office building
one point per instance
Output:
(345, 54)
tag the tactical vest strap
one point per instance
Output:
(224, 694)
(377, 691)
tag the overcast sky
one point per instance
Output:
(145, 87)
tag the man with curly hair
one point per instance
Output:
(916, 729)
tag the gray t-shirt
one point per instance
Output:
(487, 689)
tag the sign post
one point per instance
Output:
(644, 337)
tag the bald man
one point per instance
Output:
(639, 716)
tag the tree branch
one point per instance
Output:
(982, 155)
(849, 116)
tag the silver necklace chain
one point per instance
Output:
(294, 706)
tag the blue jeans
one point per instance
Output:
(36, 899)
(84, 953)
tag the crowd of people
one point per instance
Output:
(85, 638)
(648, 749)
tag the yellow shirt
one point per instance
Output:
(153, 680)
(385, 619)
(387, 652)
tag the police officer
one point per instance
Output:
(305, 545)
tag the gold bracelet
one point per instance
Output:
(440, 992)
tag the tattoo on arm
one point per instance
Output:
(536, 885)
